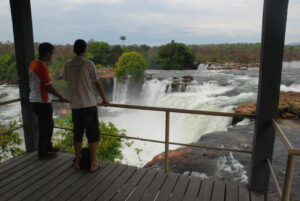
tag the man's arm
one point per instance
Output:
(53, 91)
(101, 92)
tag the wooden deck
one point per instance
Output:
(26, 178)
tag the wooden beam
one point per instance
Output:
(24, 47)
(272, 47)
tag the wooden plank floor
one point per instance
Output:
(26, 178)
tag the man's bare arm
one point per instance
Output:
(101, 92)
(53, 91)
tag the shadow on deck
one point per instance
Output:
(26, 178)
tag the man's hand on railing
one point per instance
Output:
(63, 99)
(105, 103)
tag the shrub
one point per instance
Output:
(109, 148)
(130, 64)
(9, 143)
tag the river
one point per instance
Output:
(218, 90)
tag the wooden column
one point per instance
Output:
(24, 48)
(272, 46)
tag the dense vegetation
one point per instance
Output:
(169, 56)
(176, 56)
(130, 64)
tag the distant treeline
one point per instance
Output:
(238, 53)
(170, 56)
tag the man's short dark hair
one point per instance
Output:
(79, 47)
(45, 48)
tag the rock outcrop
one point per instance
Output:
(180, 84)
(232, 167)
(289, 106)
(232, 66)
(2, 95)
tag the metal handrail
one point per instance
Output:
(274, 177)
(167, 124)
(10, 101)
(290, 166)
(172, 143)
(282, 135)
(11, 130)
(174, 110)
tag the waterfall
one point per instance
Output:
(202, 67)
(120, 91)
(185, 128)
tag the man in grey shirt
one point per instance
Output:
(81, 75)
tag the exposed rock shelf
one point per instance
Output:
(289, 106)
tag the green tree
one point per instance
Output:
(176, 56)
(8, 70)
(10, 143)
(130, 64)
(115, 52)
(109, 148)
(99, 52)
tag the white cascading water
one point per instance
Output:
(120, 91)
(185, 128)
(11, 111)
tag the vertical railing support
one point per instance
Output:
(24, 46)
(167, 139)
(272, 47)
(288, 179)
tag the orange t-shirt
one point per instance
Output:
(39, 78)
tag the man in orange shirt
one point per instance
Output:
(40, 87)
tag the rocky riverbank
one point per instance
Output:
(230, 166)
(289, 106)
(231, 66)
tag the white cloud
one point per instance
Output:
(149, 21)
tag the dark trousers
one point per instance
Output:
(86, 119)
(44, 113)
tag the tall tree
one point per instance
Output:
(176, 56)
(123, 38)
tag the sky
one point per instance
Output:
(151, 22)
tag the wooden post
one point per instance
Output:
(272, 46)
(24, 47)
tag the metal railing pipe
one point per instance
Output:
(274, 177)
(11, 130)
(176, 110)
(282, 135)
(10, 101)
(288, 179)
(172, 143)
(167, 138)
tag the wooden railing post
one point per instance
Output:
(23, 41)
(167, 140)
(272, 47)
